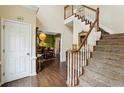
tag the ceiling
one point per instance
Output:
(32, 7)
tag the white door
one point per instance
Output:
(17, 50)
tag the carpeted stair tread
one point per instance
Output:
(106, 67)
(110, 48)
(113, 37)
(111, 42)
(91, 81)
(108, 55)
(106, 72)
(101, 78)
(108, 62)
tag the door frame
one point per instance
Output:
(60, 46)
(2, 20)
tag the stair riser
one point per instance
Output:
(108, 56)
(110, 42)
(112, 37)
(113, 49)
(113, 63)
(120, 34)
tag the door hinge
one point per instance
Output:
(3, 73)
(3, 26)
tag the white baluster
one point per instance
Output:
(78, 63)
(73, 69)
(70, 69)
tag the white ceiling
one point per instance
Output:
(32, 7)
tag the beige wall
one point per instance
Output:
(51, 19)
(12, 12)
(112, 18)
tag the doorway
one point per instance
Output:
(81, 36)
(16, 50)
(48, 47)
(58, 46)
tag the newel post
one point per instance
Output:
(97, 17)
(74, 46)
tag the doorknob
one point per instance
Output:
(28, 53)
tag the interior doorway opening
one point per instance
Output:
(48, 47)
(81, 36)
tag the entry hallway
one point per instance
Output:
(52, 75)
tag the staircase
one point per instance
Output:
(106, 67)
(102, 67)
(78, 57)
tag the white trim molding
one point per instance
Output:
(32, 60)
(107, 29)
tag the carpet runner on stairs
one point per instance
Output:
(106, 67)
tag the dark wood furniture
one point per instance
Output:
(43, 54)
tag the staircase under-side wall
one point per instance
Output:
(106, 67)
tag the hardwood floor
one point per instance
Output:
(52, 75)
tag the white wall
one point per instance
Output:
(50, 18)
(12, 13)
(111, 18)
(78, 27)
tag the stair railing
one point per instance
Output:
(85, 13)
(77, 57)
(68, 11)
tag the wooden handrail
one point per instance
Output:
(87, 35)
(85, 38)
(77, 57)
(92, 26)
(83, 6)
(72, 9)
(89, 8)
(65, 11)
(66, 6)
(97, 17)
(92, 9)
(74, 62)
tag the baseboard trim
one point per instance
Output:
(108, 30)
(33, 74)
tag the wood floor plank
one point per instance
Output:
(53, 75)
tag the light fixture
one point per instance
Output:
(42, 36)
